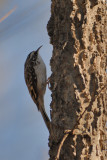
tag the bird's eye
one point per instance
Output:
(33, 58)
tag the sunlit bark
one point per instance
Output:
(77, 33)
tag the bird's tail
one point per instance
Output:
(45, 117)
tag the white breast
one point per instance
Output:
(40, 70)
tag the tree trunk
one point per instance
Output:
(77, 33)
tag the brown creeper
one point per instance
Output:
(35, 78)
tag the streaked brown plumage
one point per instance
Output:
(35, 78)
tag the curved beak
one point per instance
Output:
(38, 49)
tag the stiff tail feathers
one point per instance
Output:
(45, 117)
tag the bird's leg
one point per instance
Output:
(48, 82)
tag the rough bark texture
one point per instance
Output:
(77, 33)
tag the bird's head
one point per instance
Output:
(33, 54)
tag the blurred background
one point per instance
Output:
(23, 135)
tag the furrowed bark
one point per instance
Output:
(77, 32)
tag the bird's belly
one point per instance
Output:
(41, 79)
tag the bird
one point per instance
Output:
(36, 80)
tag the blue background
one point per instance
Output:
(23, 135)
